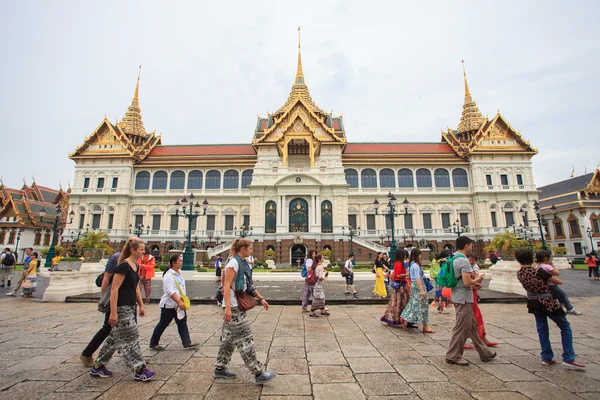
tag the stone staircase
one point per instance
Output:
(370, 245)
(223, 247)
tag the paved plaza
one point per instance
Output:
(349, 355)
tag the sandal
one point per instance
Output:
(158, 347)
(313, 315)
(428, 331)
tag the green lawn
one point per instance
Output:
(581, 266)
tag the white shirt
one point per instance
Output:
(250, 261)
(169, 287)
(232, 299)
(308, 262)
(348, 265)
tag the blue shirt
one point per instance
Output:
(415, 272)
(26, 261)
(111, 264)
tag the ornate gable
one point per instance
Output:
(594, 186)
(299, 119)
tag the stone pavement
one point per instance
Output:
(348, 356)
(289, 292)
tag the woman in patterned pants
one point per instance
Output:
(236, 328)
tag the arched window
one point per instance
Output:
(386, 178)
(246, 178)
(231, 179)
(195, 179)
(270, 217)
(368, 178)
(442, 178)
(405, 178)
(423, 177)
(177, 180)
(351, 177)
(460, 178)
(326, 217)
(159, 180)
(213, 179)
(142, 180)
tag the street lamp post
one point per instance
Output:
(540, 219)
(139, 229)
(459, 229)
(18, 238)
(191, 215)
(210, 235)
(52, 251)
(391, 214)
(589, 232)
(351, 233)
(243, 231)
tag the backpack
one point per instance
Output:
(9, 260)
(446, 277)
(311, 278)
(304, 272)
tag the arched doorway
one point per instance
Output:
(298, 220)
(448, 246)
(297, 254)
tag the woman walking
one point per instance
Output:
(124, 336)
(400, 294)
(146, 271)
(31, 285)
(592, 263)
(172, 306)
(236, 330)
(308, 289)
(417, 309)
(318, 302)
(380, 270)
(218, 267)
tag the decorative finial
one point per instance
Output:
(1, 181)
(137, 87)
(24, 183)
(299, 74)
(33, 177)
(467, 91)
(573, 172)
(584, 170)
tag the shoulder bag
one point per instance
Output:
(104, 303)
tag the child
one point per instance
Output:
(476, 311)
(441, 301)
(542, 305)
(544, 261)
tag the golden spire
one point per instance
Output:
(137, 87)
(132, 123)
(299, 74)
(471, 119)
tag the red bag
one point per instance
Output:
(312, 278)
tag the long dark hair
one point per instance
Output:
(309, 255)
(317, 259)
(172, 261)
(415, 255)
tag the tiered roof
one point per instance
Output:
(573, 193)
(25, 204)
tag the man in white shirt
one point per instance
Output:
(350, 276)
(250, 260)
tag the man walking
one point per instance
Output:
(87, 353)
(462, 297)
(26, 261)
(7, 262)
(350, 276)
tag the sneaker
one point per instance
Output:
(264, 377)
(144, 376)
(87, 361)
(101, 372)
(224, 373)
(574, 312)
(549, 362)
(13, 294)
(573, 365)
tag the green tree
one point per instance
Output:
(94, 240)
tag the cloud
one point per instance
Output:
(393, 69)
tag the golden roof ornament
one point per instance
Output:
(471, 118)
(132, 123)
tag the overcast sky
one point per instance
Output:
(393, 69)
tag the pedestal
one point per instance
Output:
(504, 278)
(271, 264)
(561, 263)
(71, 283)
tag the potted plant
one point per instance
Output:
(269, 254)
(69, 264)
(326, 253)
(93, 246)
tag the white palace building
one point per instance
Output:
(301, 184)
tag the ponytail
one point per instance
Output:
(172, 261)
(239, 244)
(131, 244)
